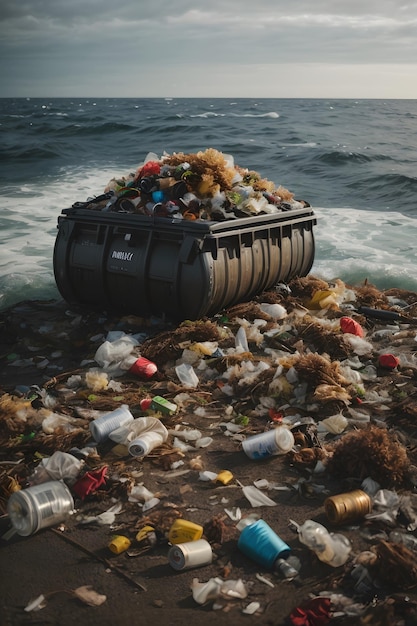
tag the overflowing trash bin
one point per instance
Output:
(182, 239)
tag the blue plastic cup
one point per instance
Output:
(260, 543)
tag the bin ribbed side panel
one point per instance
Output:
(179, 271)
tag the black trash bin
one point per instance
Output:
(177, 269)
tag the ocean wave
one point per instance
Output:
(24, 154)
(392, 188)
(361, 157)
(336, 158)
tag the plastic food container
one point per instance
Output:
(180, 269)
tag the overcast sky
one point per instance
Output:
(230, 48)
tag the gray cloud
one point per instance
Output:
(51, 46)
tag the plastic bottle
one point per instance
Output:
(278, 440)
(330, 548)
(102, 426)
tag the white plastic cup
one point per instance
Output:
(143, 445)
(190, 554)
(102, 426)
(279, 440)
(39, 506)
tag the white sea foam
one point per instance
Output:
(29, 218)
(351, 244)
(207, 114)
(272, 115)
(355, 245)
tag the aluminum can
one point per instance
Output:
(39, 506)
(191, 554)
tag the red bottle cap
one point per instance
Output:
(145, 403)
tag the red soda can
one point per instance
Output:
(143, 368)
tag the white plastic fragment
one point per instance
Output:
(360, 346)
(256, 497)
(188, 434)
(207, 476)
(234, 589)
(117, 347)
(251, 608)
(202, 592)
(36, 604)
(277, 311)
(187, 375)
(203, 442)
(262, 483)
(370, 486)
(107, 517)
(241, 342)
(140, 493)
(86, 594)
(385, 507)
(216, 587)
(335, 424)
(235, 514)
(59, 466)
(54, 421)
(264, 580)
(150, 504)
(181, 445)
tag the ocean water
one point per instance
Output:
(354, 161)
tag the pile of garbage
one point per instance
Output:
(206, 185)
(311, 384)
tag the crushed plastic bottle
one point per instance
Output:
(330, 548)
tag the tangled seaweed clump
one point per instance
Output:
(369, 452)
